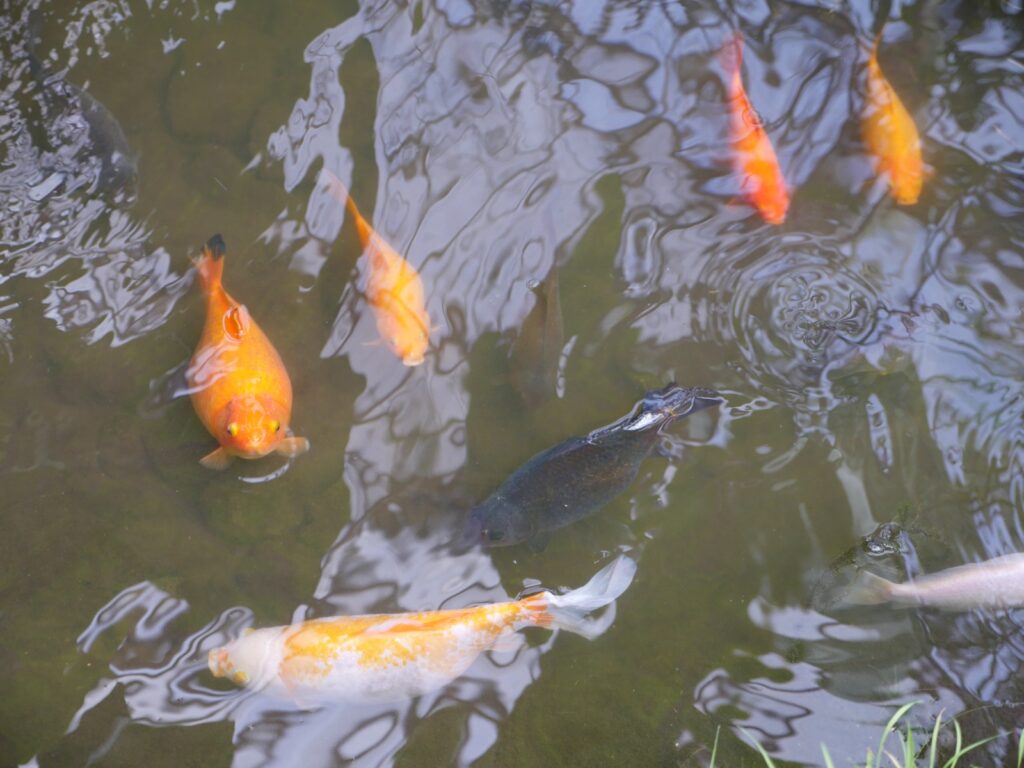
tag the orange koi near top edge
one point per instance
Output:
(753, 154)
(394, 289)
(240, 388)
(890, 135)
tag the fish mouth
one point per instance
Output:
(703, 399)
(682, 401)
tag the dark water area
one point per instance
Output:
(869, 355)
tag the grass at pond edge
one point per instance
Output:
(907, 744)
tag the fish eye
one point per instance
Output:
(494, 535)
(233, 429)
(275, 425)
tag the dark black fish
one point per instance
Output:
(576, 478)
(86, 137)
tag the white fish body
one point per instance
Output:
(992, 584)
(396, 656)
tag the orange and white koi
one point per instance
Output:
(890, 135)
(753, 154)
(394, 289)
(239, 386)
(396, 656)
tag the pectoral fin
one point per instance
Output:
(539, 541)
(218, 459)
(509, 642)
(237, 322)
(292, 446)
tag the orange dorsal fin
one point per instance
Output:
(341, 194)
(237, 322)
(210, 265)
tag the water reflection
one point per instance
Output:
(163, 679)
(876, 350)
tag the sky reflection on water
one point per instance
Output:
(870, 354)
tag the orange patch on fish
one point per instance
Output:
(239, 386)
(753, 154)
(394, 289)
(392, 640)
(890, 135)
(393, 656)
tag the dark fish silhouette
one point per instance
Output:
(537, 349)
(86, 137)
(576, 478)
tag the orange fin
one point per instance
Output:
(292, 447)
(731, 54)
(217, 459)
(210, 265)
(237, 322)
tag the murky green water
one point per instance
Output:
(870, 355)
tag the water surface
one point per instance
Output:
(870, 355)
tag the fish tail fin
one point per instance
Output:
(571, 610)
(731, 54)
(871, 47)
(210, 265)
(342, 195)
(869, 589)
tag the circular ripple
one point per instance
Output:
(793, 312)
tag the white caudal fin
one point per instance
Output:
(869, 589)
(570, 611)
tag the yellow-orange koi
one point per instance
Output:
(239, 386)
(891, 136)
(396, 656)
(753, 154)
(394, 289)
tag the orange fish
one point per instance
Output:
(396, 656)
(393, 288)
(753, 154)
(891, 136)
(239, 386)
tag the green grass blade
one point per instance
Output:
(889, 728)
(1020, 749)
(951, 763)
(935, 740)
(757, 745)
(714, 749)
(830, 764)
(908, 748)
(959, 743)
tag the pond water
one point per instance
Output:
(869, 354)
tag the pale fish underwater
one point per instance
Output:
(991, 584)
(389, 657)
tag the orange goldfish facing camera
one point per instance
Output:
(240, 389)
(753, 155)
(390, 657)
(393, 288)
(891, 136)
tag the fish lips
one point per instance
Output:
(703, 399)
